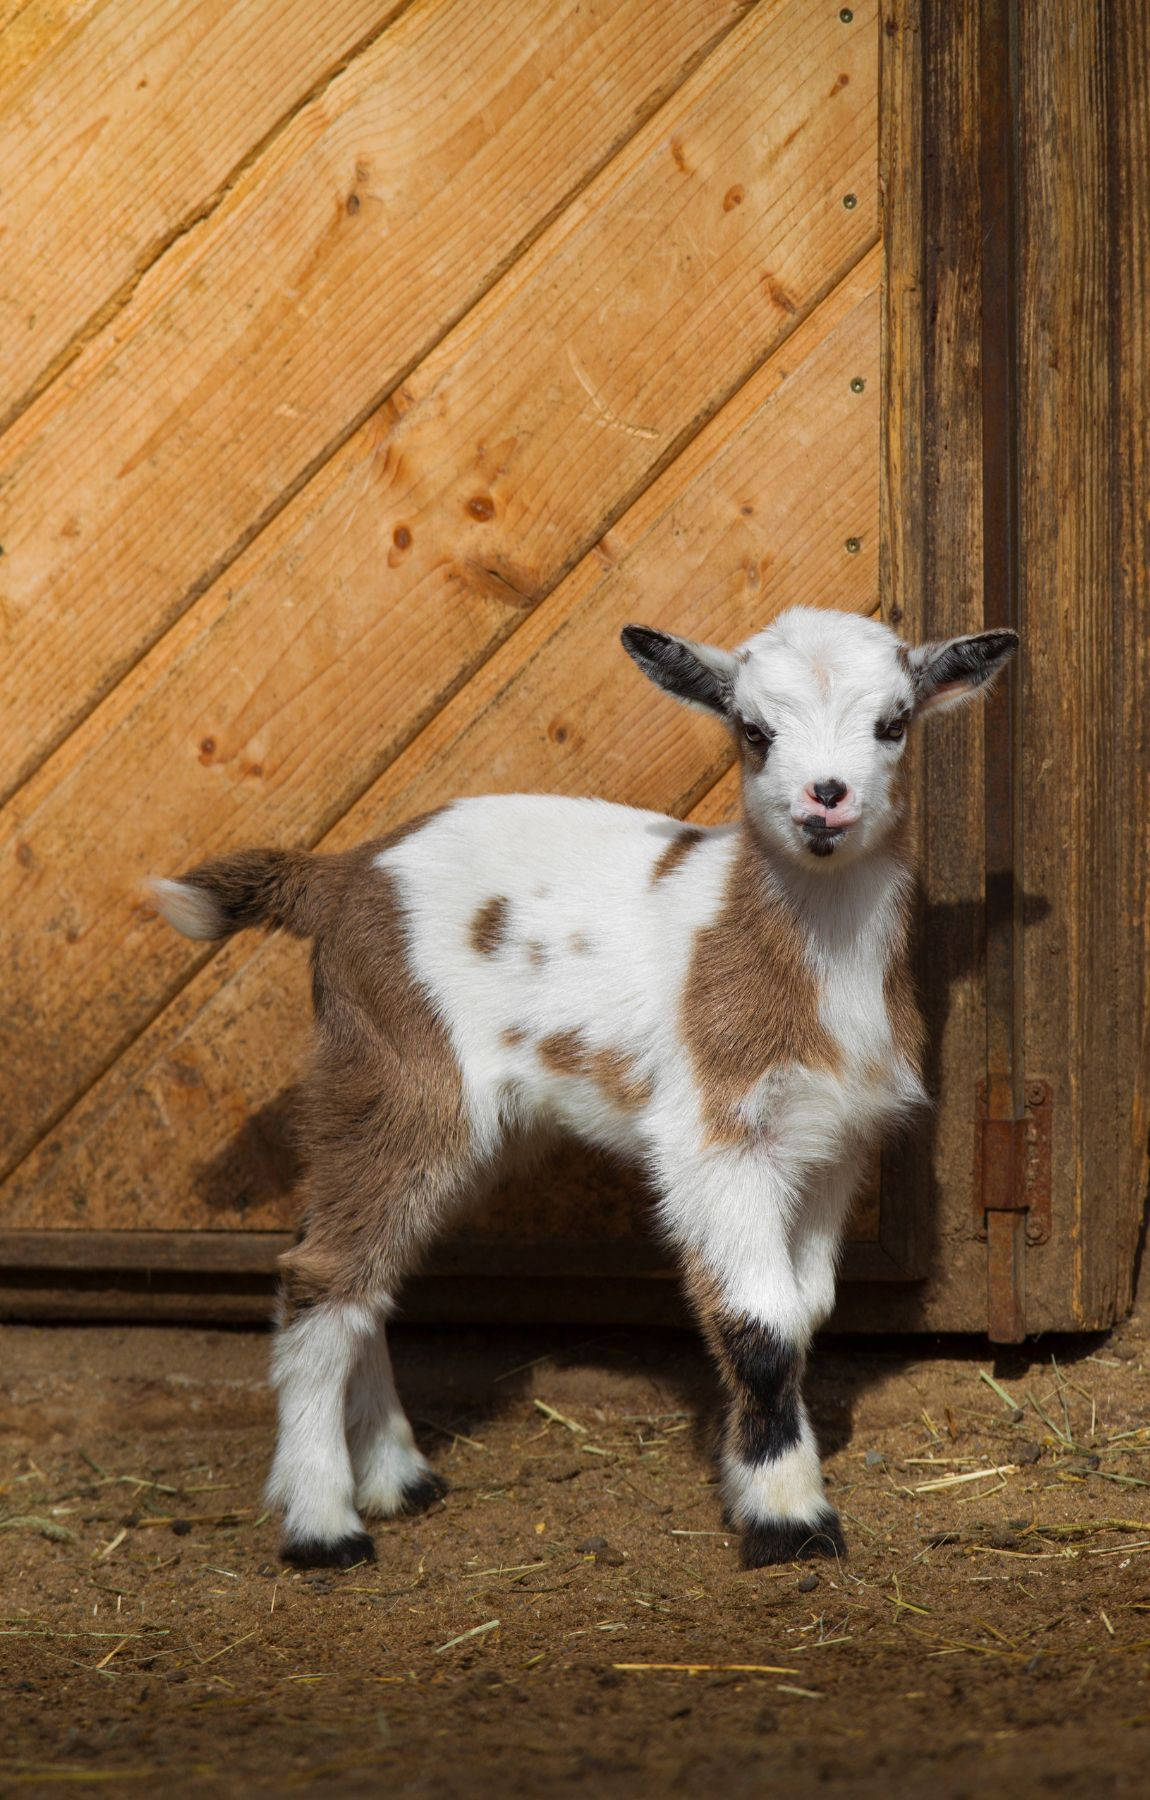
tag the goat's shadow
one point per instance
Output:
(263, 1164)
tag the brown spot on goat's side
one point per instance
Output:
(383, 1132)
(536, 955)
(614, 1073)
(679, 847)
(564, 1052)
(616, 1076)
(750, 1002)
(578, 944)
(512, 1036)
(489, 926)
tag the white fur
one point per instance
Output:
(790, 1487)
(386, 1462)
(190, 909)
(311, 1479)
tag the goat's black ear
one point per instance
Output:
(696, 673)
(954, 671)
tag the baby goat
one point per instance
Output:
(731, 1007)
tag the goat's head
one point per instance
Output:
(820, 704)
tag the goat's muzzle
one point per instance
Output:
(821, 837)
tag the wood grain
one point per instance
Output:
(1129, 232)
(266, 334)
(904, 1171)
(436, 529)
(123, 129)
(1079, 795)
(188, 1124)
(950, 750)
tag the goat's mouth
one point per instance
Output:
(821, 837)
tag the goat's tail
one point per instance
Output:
(250, 887)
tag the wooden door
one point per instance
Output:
(327, 479)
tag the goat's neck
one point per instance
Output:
(856, 907)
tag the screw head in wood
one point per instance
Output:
(853, 546)
(850, 201)
(857, 384)
(846, 15)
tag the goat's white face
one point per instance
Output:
(820, 704)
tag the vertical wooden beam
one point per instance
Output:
(901, 184)
(1129, 226)
(1006, 1233)
(1077, 774)
(902, 497)
(951, 752)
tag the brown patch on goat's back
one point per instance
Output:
(750, 1002)
(383, 1130)
(678, 849)
(489, 926)
(614, 1073)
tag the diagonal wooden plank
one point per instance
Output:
(33, 30)
(123, 126)
(421, 546)
(259, 342)
(752, 516)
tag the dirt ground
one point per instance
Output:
(573, 1619)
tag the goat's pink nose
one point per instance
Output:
(826, 798)
(828, 793)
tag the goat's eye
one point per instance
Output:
(890, 731)
(756, 736)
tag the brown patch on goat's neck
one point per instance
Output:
(680, 846)
(614, 1073)
(383, 1130)
(750, 1002)
(906, 1027)
(489, 926)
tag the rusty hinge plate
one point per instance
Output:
(1012, 1163)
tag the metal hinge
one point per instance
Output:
(1012, 1204)
(1012, 1163)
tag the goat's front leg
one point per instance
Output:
(817, 1231)
(732, 1214)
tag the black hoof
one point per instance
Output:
(788, 1540)
(423, 1492)
(340, 1553)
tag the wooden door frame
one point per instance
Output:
(942, 474)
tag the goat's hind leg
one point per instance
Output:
(392, 1475)
(330, 1362)
(311, 1480)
